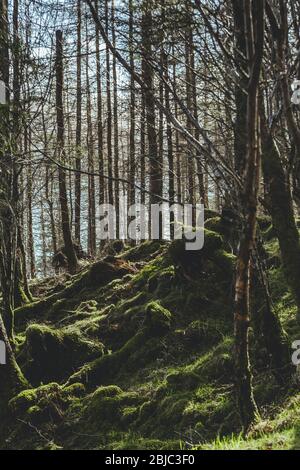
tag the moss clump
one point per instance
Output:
(103, 369)
(135, 442)
(161, 281)
(104, 405)
(193, 262)
(51, 398)
(47, 347)
(144, 251)
(210, 214)
(143, 346)
(107, 270)
(110, 408)
(202, 333)
(183, 380)
(214, 224)
(157, 317)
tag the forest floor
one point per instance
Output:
(135, 352)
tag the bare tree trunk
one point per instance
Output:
(8, 225)
(116, 126)
(65, 217)
(78, 130)
(44, 244)
(254, 12)
(281, 208)
(20, 282)
(109, 114)
(189, 104)
(177, 146)
(143, 147)
(155, 171)
(91, 177)
(131, 198)
(11, 378)
(30, 242)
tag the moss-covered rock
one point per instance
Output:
(144, 251)
(157, 317)
(107, 270)
(51, 398)
(46, 348)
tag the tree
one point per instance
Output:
(254, 14)
(11, 378)
(65, 218)
(78, 129)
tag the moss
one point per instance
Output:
(144, 251)
(157, 317)
(47, 397)
(46, 347)
(213, 224)
(23, 401)
(193, 263)
(143, 345)
(135, 442)
(183, 380)
(105, 271)
(210, 214)
(101, 370)
(167, 368)
(110, 407)
(104, 404)
(103, 392)
(202, 333)
(161, 281)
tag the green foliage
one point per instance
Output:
(144, 343)
(46, 348)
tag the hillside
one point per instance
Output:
(135, 352)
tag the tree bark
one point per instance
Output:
(78, 129)
(65, 217)
(254, 12)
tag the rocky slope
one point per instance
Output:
(135, 352)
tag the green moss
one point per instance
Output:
(214, 224)
(101, 370)
(157, 317)
(135, 442)
(143, 251)
(194, 263)
(167, 368)
(183, 380)
(47, 397)
(46, 347)
(103, 272)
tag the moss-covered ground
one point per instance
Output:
(135, 352)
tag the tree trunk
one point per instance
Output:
(91, 177)
(78, 130)
(155, 170)
(12, 380)
(65, 217)
(281, 209)
(131, 199)
(109, 114)
(116, 126)
(254, 35)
